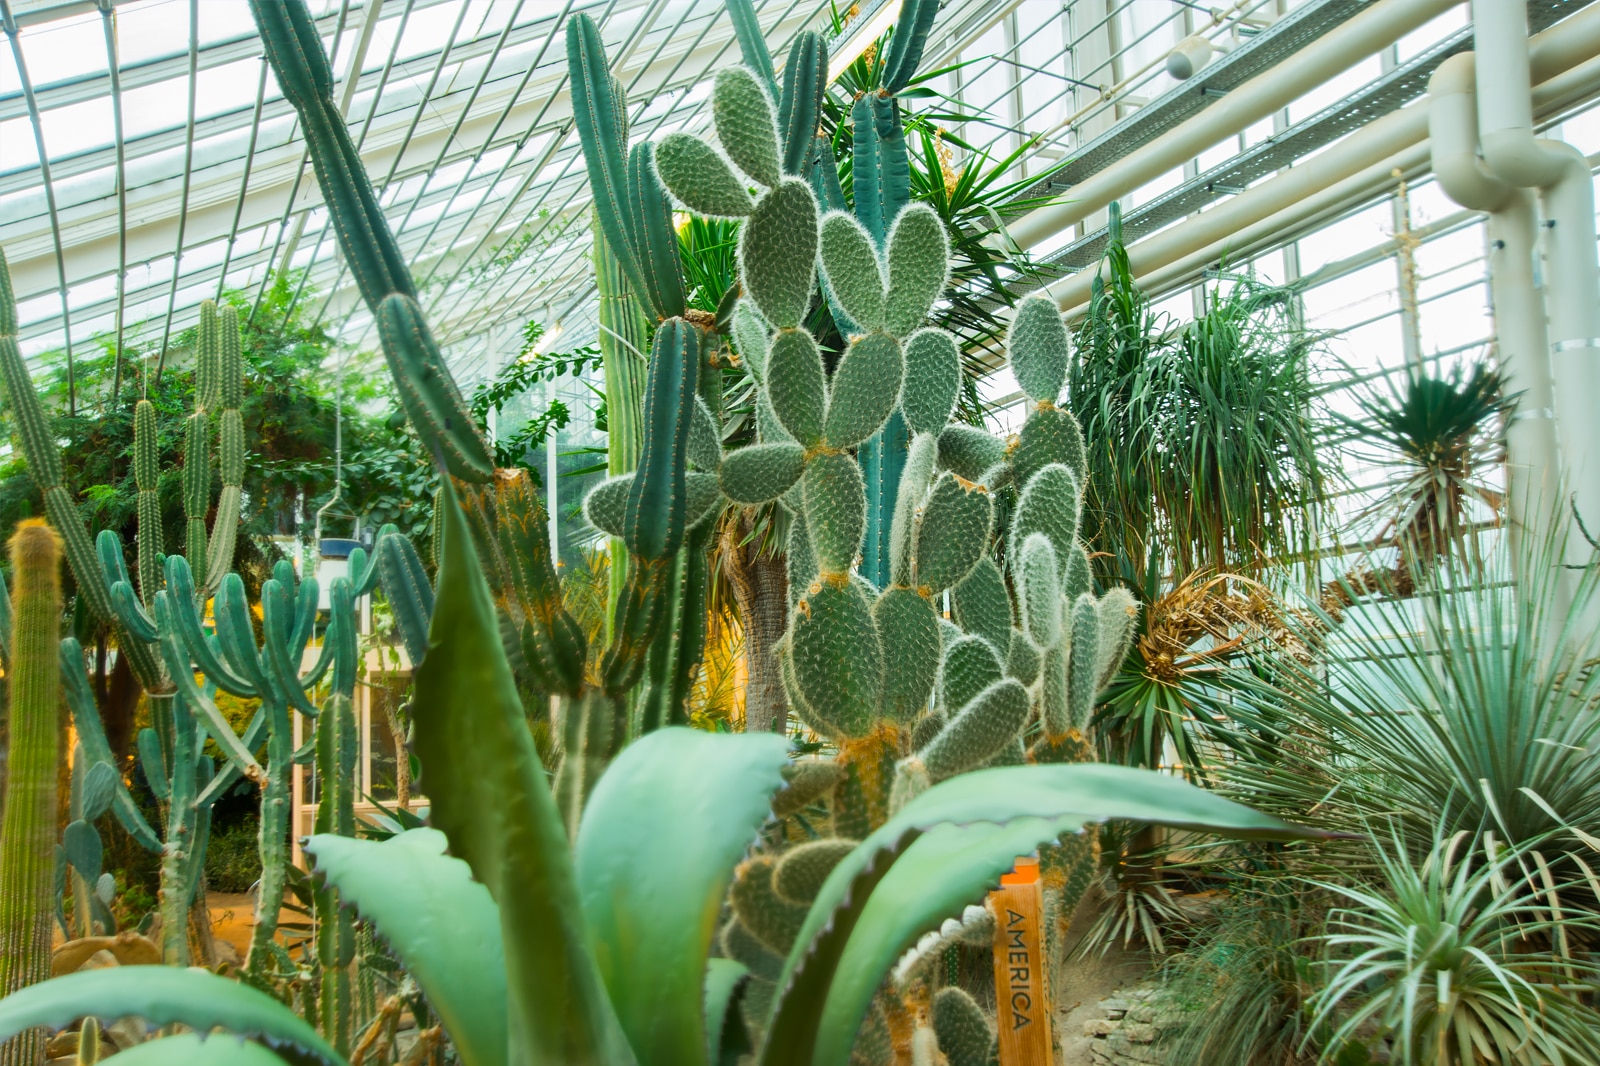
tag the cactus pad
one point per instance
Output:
(837, 659)
(1039, 590)
(919, 268)
(801, 870)
(750, 339)
(746, 126)
(797, 385)
(699, 178)
(909, 630)
(953, 534)
(1049, 505)
(914, 481)
(836, 510)
(864, 390)
(962, 1028)
(808, 781)
(970, 666)
(758, 473)
(770, 918)
(778, 253)
(993, 719)
(968, 452)
(1022, 660)
(1050, 435)
(933, 380)
(982, 606)
(853, 270)
(1036, 345)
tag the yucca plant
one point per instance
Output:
(1449, 961)
(1202, 436)
(1480, 720)
(1443, 434)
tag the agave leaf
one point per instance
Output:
(165, 996)
(1057, 798)
(491, 797)
(442, 924)
(724, 980)
(193, 1049)
(656, 850)
(943, 871)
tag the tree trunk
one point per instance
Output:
(761, 589)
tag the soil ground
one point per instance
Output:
(1083, 983)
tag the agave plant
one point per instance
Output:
(535, 950)
(1444, 962)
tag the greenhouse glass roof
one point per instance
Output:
(175, 168)
(174, 161)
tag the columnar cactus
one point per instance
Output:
(27, 836)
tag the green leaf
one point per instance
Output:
(656, 850)
(491, 796)
(936, 878)
(193, 1049)
(726, 1037)
(442, 924)
(164, 996)
(1047, 800)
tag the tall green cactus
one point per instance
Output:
(27, 835)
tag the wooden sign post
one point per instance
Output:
(1022, 993)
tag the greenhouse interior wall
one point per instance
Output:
(1288, 156)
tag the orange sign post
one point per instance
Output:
(1022, 992)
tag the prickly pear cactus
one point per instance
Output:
(907, 692)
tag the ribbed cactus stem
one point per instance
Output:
(229, 374)
(624, 338)
(207, 384)
(27, 834)
(196, 488)
(271, 846)
(147, 476)
(337, 746)
(177, 850)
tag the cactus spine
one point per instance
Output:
(27, 837)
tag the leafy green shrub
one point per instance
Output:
(233, 861)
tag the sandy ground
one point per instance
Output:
(1083, 983)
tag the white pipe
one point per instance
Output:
(1566, 58)
(1453, 137)
(1522, 342)
(1373, 144)
(1268, 231)
(1376, 28)
(1566, 188)
(1505, 113)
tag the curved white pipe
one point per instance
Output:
(1505, 113)
(1566, 59)
(1453, 137)
(1566, 188)
(1379, 26)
